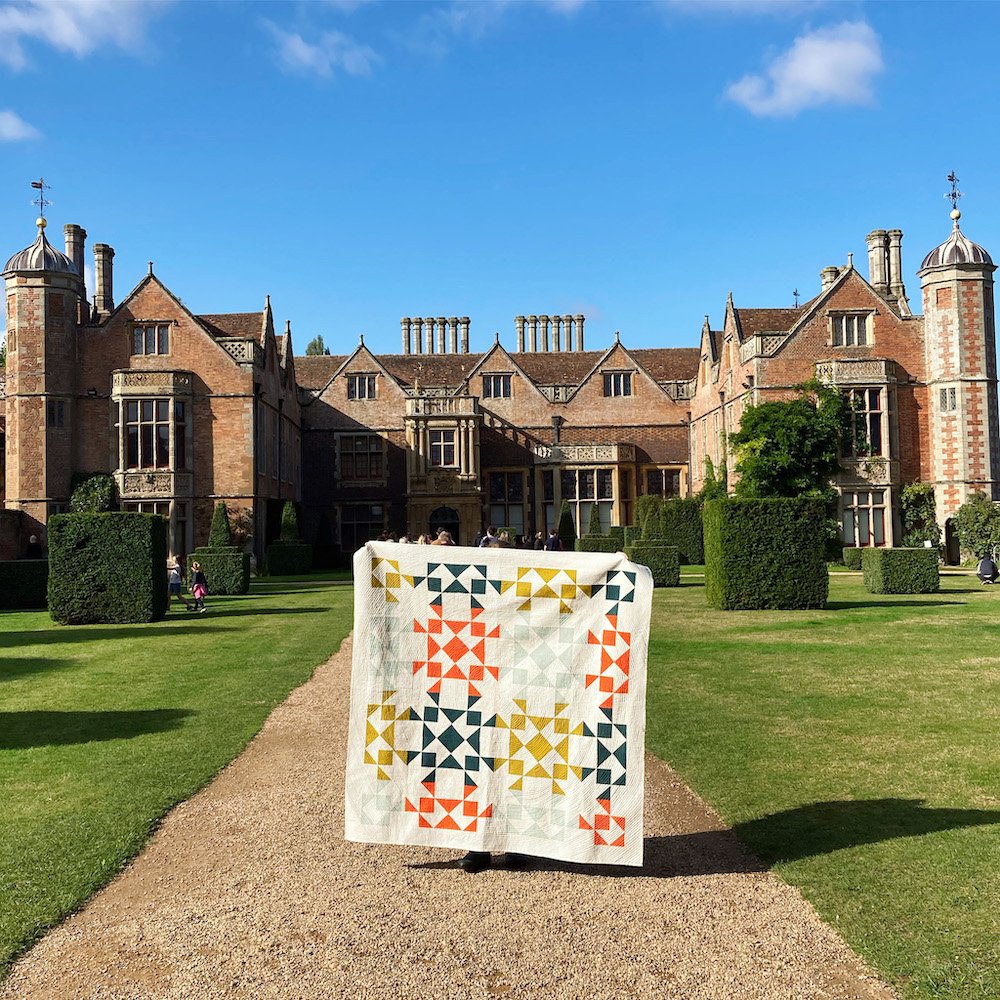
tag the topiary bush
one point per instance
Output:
(24, 583)
(109, 568)
(289, 523)
(220, 535)
(901, 571)
(617, 532)
(852, 556)
(680, 525)
(594, 523)
(597, 543)
(765, 554)
(647, 514)
(633, 534)
(663, 561)
(289, 558)
(94, 493)
(226, 569)
(567, 530)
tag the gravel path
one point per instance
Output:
(250, 891)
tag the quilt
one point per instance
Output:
(498, 701)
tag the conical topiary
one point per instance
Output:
(567, 529)
(220, 535)
(594, 524)
(289, 523)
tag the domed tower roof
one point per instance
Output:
(40, 256)
(957, 249)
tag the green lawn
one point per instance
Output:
(857, 751)
(104, 728)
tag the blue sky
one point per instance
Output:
(366, 161)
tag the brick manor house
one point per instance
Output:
(185, 410)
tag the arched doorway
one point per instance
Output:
(447, 518)
(952, 551)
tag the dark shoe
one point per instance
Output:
(475, 861)
(515, 862)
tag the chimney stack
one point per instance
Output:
(579, 332)
(878, 260)
(464, 322)
(828, 276)
(103, 293)
(76, 241)
(519, 322)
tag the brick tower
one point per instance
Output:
(956, 280)
(44, 291)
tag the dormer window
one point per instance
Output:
(151, 338)
(850, 330)
(360, 386)
(617, 383)
(496, 386)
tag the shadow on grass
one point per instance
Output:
(225, 612)
(845, 605)
(814, 829)
(24, 666)
(23, 730)
(86, 633)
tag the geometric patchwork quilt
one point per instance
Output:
(498, 701)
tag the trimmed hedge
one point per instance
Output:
(597, 543)
(852, 556)
(765, 554)
(220, 535)
(289, 558)
(617, 532)
(24, 583)
(633, 534)
(680, 525)
(107, 568)
(226, 569)
(901, 571)
(663, 560)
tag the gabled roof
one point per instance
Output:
(668, 364)
(437, 371)
(317, 371)
(754, 321)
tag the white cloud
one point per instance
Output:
(74, 26)
(14, 128)
(829, 66)
(333, 50)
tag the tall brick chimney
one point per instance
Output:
(103, 297)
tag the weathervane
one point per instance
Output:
(954, 194)
(796, 294)
(41, 201)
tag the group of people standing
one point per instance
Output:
(488, 539)
(198, 582)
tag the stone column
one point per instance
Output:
(441, 331)
(429, 334)
(519, 323)
(405, 325)
(568, 323)
(533, 327)
(418, 335)
(453, 334)
(557, 333)
(464, 321)
(579, 332)
(877, 260)
(544, 323)
(895, 275)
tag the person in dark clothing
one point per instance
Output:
(539, 541)
(987, 569)
(553, 543)
(34, 549)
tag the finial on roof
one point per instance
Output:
(953, 195)
(729, 299)
(498, 336)
(795, 293)
(41, 201)
(618, 337)
(267, 301)
(150, 267)
(850, 262)
(361, 340)
(288, 327)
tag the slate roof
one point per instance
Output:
(753, 321)
(315, 371)
(246, 326)
(669, 364)
(433, 370)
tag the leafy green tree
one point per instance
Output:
(289, 523)
(978, 524)
(712, 488)
(567, 529)
(316, 347)
(94, 494)
(918, 512)
(3, 354)
(220, 535)
(594, 524)
(790, 449)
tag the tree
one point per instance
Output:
(711, 488)
(220, 535)
(978, 524)
(316, 347)
(567, 529)
(594, 524)
(94, 494)
(918, 512)
(3, 354)
(790, 449)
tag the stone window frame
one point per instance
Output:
(55, 414)
(870, 511)
(844, 334)
(491, 380)
(663, 471)
(618, 383)
(948, 399)
(355, 380)
(139, 333)
(437, 450)
(492, 504)
(354, 480)
(864, 413)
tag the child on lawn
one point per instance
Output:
(199, 587)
